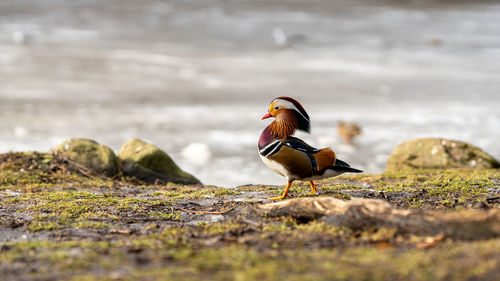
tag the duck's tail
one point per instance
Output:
(342, 166)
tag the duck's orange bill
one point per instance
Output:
(267, 115)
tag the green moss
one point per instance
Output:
(190, 193)
(262, 188)
(427, 188)
(39, 226)
(90, 224)
(219, 228)
(364, 263)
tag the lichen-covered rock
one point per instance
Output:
(149, 163)
(89, 154)
(438, 153)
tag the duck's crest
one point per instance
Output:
(299, 107)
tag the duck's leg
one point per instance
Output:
(284, 192)
(314, 188)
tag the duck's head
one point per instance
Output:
(289, 110)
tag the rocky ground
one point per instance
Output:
(61, 221)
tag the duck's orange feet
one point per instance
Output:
(314, 189)
(278, 197)
(285, 193)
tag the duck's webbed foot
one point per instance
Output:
(285, 193)
(314, 189)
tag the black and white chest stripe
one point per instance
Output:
(271, 148)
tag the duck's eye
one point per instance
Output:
(276, 108)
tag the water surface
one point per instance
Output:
(194, 77)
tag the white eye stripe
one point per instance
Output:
(288, 105)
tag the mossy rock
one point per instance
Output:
(149, 163)
(439, 153)
(89, 154)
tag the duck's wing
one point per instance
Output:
(320, 158)
(304, 161)
(299, 144)
(288, 159)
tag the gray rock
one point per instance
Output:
(438, 153)
(149, 163)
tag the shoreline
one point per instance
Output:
(59, 224)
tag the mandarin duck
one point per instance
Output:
(348, 131)
(290, 156)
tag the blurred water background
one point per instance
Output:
(195, 76)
